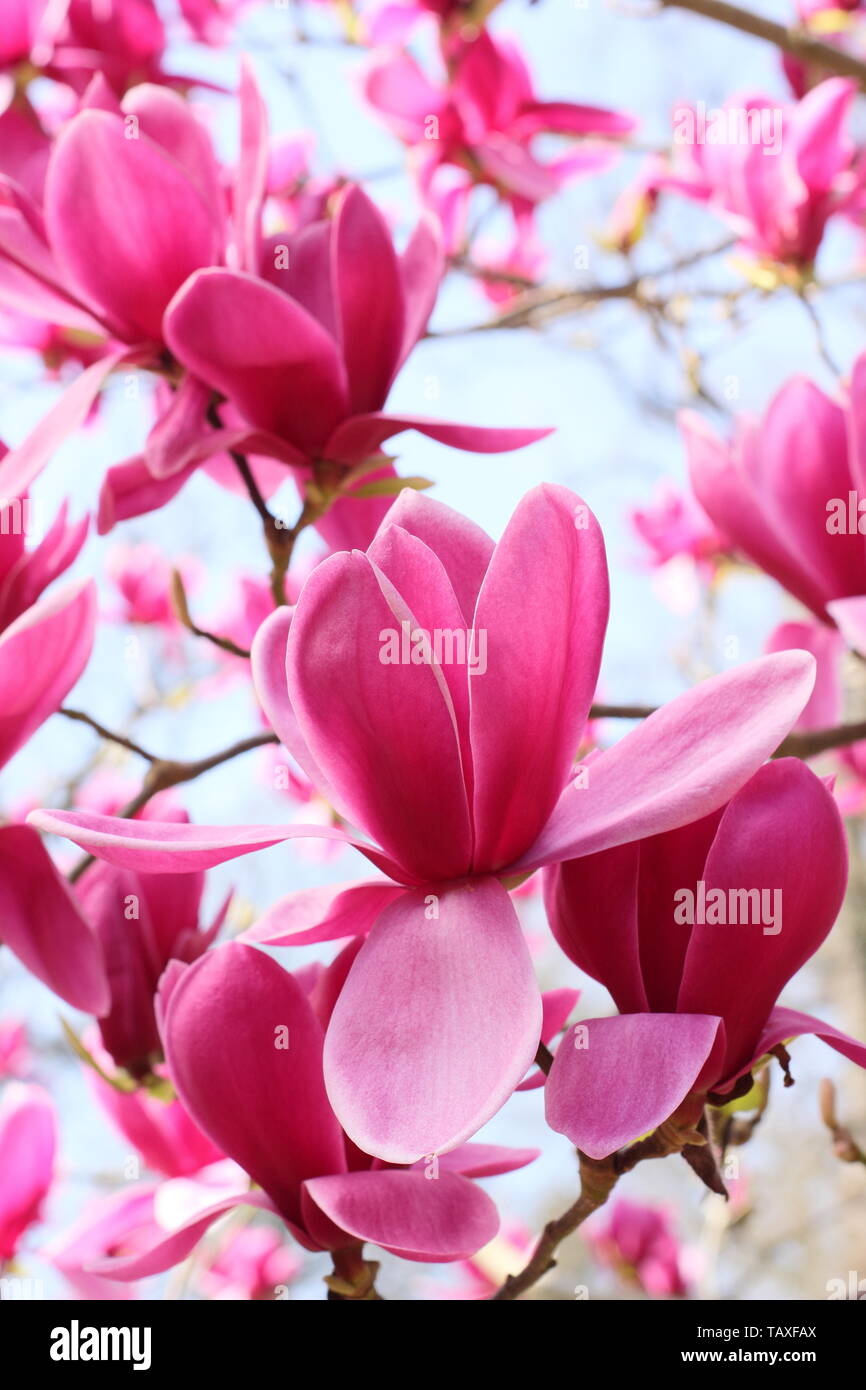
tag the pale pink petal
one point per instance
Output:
(683, 762)
(323, 914)
(156, 847)
(432, 1221)
(460, 1029)
(614, 1079)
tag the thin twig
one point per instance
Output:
(166, 772)
(81, 718)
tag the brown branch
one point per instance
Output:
(598, 1177)
(168, 772)
(180, 605)
(796, 41)
(806, 744)
(621, 711)
(809, 744)
(81, 718)
(545, 303)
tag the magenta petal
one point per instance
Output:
(360, 717)
(268, 663)
(130, 489)
(362, 435)
(614, 1079)
(421, 268)
(263, 351)
(463, 548)
(556, 1005)
(448, 1218)
(41, 922)
(42, 654)
(483, 1160)
(849, 615)
(543, 610)
(126, 222)
(784, 1024)
(170, 848)
(24, 463)
(591, 905)
(323, 914)
(179, 1244)
(369, 292)
(782, 823)
(251, 180)
(683, 762)
(261, 1098)
(461, 1026)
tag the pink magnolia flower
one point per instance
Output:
(123, 40)
(674, 524)
(132, 204)
(463, 782)
(142, 575)
(264, 1103)
(783, 491)
(24, 574)
(161, 1131)
(637, 1241)
(42, 654)
(120, 1223)
(251, 1265)
(308, 353)
(141, 922)
(486, 118)
(778, 191)
(28, 1138)
(660, 923)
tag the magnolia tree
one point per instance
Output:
(497, 875)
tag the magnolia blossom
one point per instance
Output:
(638, 1242)
(696, 978)
(480, 126)
(788, 492)
(486, 118)
(463, 783)
(264, 1103)
(778, 184)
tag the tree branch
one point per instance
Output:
(796, 41)
(167, 772)
(598, 1177)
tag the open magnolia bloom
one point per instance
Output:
(795, 512)
(435, 688)
(262, 1100)
(695, 932)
